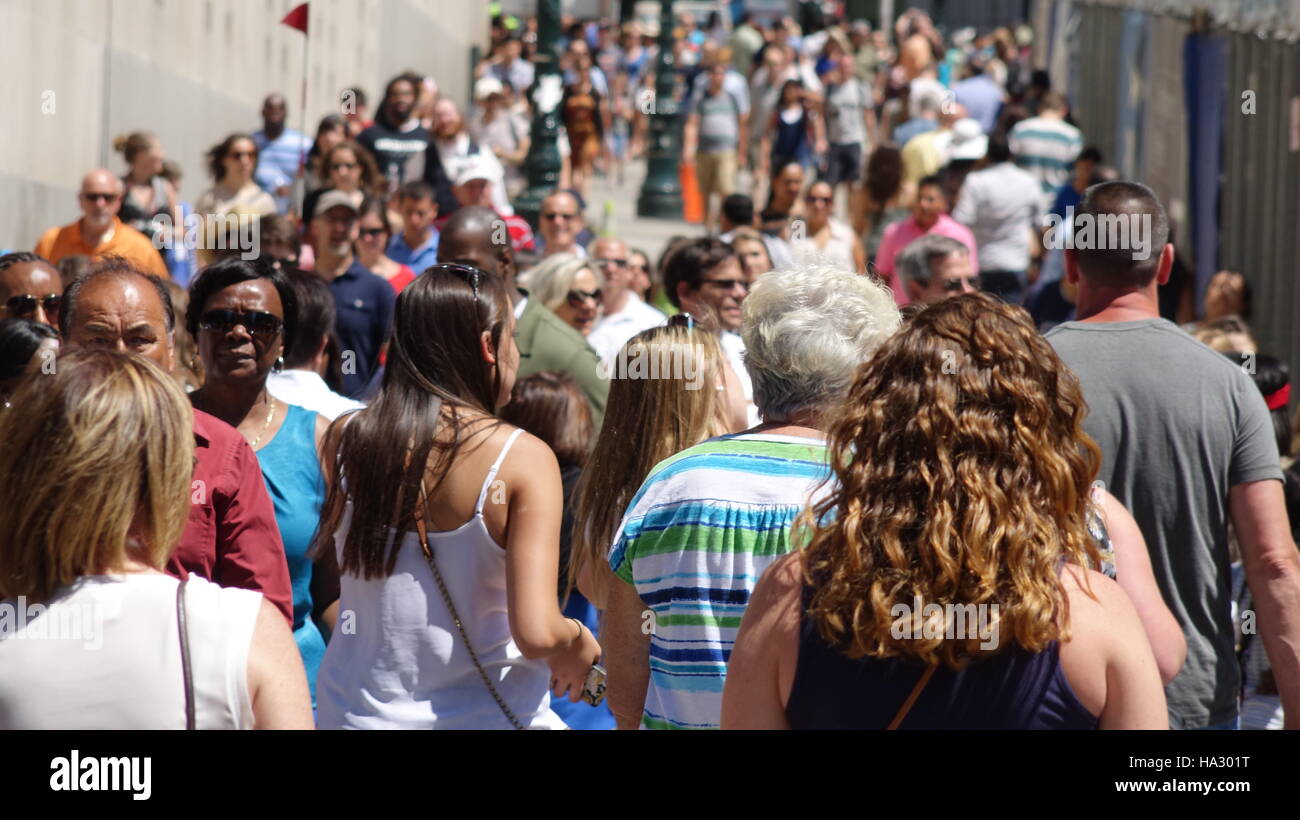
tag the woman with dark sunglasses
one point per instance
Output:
(244, 315)
(374, 231)
(825, 239)
(232, 163)
(445, 522)
(569, 287)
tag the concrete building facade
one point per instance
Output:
(80, 72)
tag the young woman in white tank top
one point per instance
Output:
(469, 635)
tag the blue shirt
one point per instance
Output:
(363, 303)
(278, 161)
(912, 128)
(982, 98)
(417, 259)
(293, 478)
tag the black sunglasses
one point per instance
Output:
(726, 284)
(372, 231)
(256, 322)
(577, 297)
(24, 304)
(955, 285)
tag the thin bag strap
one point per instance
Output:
(446, 596)
(186, 669)
(911, 699)
(492, 473)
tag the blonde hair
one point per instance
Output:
(96, 456)
(646, 421)
(552, 279)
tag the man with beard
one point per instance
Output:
(99, 232)
(397, 139)
(449, 151)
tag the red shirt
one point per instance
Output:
(402, 278)
(231, 537)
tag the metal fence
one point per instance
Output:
(1123, 67)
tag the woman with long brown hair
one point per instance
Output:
(445, 524)
(948, 569)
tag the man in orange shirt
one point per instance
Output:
(99, 232)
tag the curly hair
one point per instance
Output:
(963, 477)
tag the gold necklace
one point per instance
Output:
(266, 426)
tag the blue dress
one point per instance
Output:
(293, 477)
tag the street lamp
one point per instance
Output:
(542, 165)
(661, 193)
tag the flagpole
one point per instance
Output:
(300, 185)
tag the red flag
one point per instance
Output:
(297, 18)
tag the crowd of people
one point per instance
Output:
(405, 460)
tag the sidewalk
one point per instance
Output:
(649, 235)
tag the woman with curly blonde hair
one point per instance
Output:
(946, 583)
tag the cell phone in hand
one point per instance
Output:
(593, 689)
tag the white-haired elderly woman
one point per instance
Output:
(570, 288)
(709, 520)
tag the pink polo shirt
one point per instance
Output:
(898, 235)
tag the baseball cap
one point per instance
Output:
(487, 86)
(334, 199)
(471, 169)
(968, 140)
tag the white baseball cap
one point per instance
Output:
(472, 168)
(968, 140)
(487, 86)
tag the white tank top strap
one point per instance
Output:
(492, 473)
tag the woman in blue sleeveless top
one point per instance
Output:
(243, 315)
(945, 583)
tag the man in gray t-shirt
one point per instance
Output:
(717, 118)
(850, 115)
(1188, 448)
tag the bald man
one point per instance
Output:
(281, 152)
(99, 232)
(472, 237)
(560, 222)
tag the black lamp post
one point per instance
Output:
(542, 165)
(661, 193)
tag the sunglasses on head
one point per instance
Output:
(685, 320)
(578, 297)
(24, 304)
(256, 322)
(472, 275)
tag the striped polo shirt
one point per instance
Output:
(1046, 148)
(698, 534)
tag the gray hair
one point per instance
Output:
(551, 280)
(915, 262)
(806, 331)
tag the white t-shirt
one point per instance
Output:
(307, 389)
(615, 329)
(734, 349)
(105, 654)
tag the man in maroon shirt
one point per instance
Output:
(231, 537)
